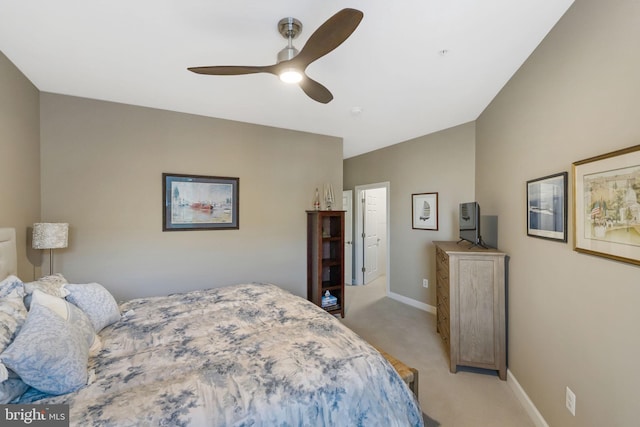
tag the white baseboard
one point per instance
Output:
(413, 303)
(523, 398)
(512, 382)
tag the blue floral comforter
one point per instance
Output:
(244, 355)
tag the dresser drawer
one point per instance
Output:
(443, 326)
(442, 301)
(442, 283)
(444, 336)
(442, 275)
(442, 259)
(442, 314)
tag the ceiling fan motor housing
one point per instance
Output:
(290, 28)
(287, 53)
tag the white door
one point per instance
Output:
(347, 206)
(374, 209)
(378, 250)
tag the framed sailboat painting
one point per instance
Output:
(425, 211)
(196, 202)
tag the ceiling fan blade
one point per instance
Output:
(315, 90)
(232, 70)
(329, 36)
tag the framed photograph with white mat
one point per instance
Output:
(425, 211)
(547, 207)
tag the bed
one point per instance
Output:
(242, 355)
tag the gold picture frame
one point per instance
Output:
(606, 211)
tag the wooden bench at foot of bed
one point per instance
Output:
(408, 375)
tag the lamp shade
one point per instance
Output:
(48, 235)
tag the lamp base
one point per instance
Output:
(50, 262)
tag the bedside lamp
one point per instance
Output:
(48, 235)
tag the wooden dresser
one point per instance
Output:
(470, 292)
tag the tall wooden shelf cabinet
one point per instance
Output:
(325, 258)
(471, 306)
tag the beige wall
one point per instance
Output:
(102, 166)
(20, 160)
(573, 318)
(442, 162)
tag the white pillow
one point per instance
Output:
(57, 305)
(51, 353)
(97, 303)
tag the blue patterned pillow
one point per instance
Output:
(11, 287)
(51, 353)
(96, 301)
(65, 310)
(12, 388)
(12, 310)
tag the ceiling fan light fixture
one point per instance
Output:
(290, 75)
(291, 63)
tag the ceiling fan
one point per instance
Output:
(291, 64)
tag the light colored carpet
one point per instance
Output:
(467, 398)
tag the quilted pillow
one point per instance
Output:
(52, 285)
(51, 352)
(97, 303)
(12, 310)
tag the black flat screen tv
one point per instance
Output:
(469, 220)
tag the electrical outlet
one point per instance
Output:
(571, 401)
(425, 283)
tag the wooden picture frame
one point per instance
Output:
(547, 207)
(198, 202)
(424, 208)
(606, 210)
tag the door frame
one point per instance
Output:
(357, 241)
(348, 225)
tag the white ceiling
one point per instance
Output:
(391, 68)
